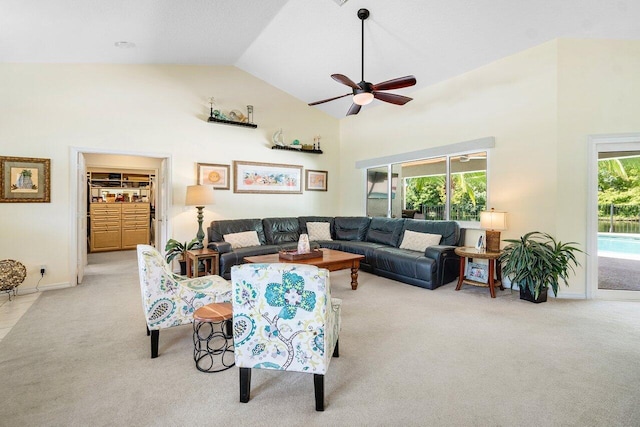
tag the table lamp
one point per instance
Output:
(199, 196)
(493, 221)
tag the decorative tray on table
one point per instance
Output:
(294, 255)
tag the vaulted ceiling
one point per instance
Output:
(296, 45)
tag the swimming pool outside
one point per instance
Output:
(615, 245)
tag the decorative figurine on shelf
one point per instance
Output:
(303, 244)
(250, 113)
(278, 138)
(218, 115)
(316, 140)
(212, 102)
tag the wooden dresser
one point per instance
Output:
(116, 226)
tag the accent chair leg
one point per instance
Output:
(318, 385)
(245, 384)
(148, 331)
(155, 337)
(336, 351)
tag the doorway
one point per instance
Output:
(614, 217)
(81, 159)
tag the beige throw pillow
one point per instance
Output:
(242, 240)
(415, 241)
(319, 230)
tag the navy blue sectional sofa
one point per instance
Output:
(378, 239)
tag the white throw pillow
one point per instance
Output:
(415, 241)
(319, 230)
(242, 240)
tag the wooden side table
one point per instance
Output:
(209, 257)
(471, 253)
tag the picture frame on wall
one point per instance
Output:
(267, 178)
(25, 180)
(218, 176)
(316, 180)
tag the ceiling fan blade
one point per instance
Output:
(392, 98)
(330, 99)
(354, 109)
(345, 80)
(398, 83)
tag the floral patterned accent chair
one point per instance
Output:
(284, 319)
(12, 274)
(169, 299)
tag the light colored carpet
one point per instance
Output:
(408, 356)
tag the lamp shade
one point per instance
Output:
(493, 220)
(362, 98)
(199, 195)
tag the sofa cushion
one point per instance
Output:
(403, 262)
(243, 239)
(281, 230)
(218, 229)
(303, 220)
(351, 227)
(385, 230)
(415, 241)
(449, 230)
(319, 230)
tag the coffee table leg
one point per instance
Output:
(354, 275)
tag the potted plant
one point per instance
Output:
(174, 248)
(536, 262)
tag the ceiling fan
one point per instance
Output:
(364, 92)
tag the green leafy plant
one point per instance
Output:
(174, 248)
(537, 261)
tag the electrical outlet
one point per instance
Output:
(42, 270)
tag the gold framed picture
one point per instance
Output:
(316, 180)
(215, 175)
(25, 180)
(252, 177)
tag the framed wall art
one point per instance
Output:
(315, 180)
(252, 177)
(25, 180)
(214, 175)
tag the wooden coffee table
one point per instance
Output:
(332, 260)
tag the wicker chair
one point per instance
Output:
(12, 274)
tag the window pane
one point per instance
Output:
(396, 193)
(468, 186)
(377, 191)
(424, 187)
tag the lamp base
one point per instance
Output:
(493, 240)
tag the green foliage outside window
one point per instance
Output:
(469, 194)
(619, 184)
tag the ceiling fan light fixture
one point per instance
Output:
(362, 98)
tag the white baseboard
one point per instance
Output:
(48, 287)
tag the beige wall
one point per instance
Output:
(540, 105)
(47, 109)
(599, 93)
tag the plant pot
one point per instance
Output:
(526, 294)
(183, 268)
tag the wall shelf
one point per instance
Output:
(230, 122)
(301, 150)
